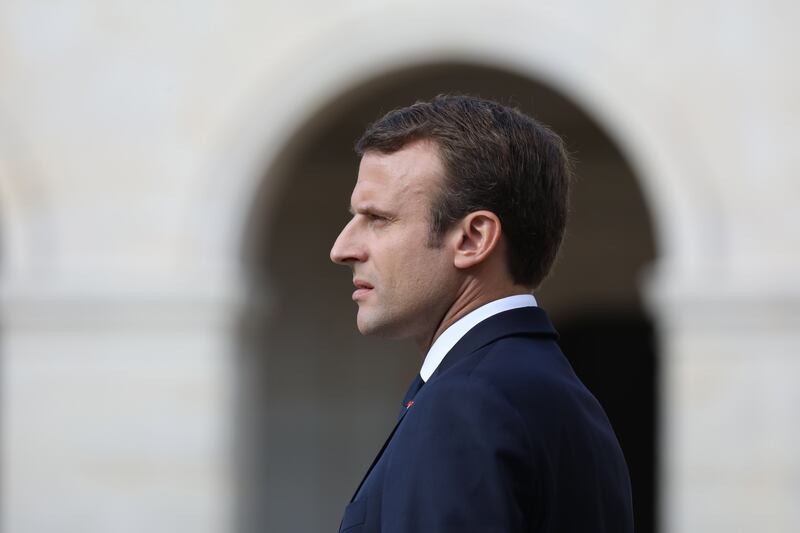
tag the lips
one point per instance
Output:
(362, 289)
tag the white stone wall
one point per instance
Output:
(132, 139)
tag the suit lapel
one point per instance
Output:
(380, 454)
(530, 321)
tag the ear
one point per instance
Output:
(478, 235)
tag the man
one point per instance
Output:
(458, 212)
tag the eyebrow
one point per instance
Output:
(370, 209)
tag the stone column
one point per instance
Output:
(730, 437)
(116, 411)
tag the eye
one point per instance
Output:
(376, 219)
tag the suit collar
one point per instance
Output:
(450, 336)
(526, 321)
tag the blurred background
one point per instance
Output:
(179, 354)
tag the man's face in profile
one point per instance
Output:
(403, 285)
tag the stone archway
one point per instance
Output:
(317, 398)
(529, 40)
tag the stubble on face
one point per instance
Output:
(411, 281)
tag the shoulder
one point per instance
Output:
(521, 380)
(527, 372)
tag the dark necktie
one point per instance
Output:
(412, 391)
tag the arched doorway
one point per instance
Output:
(318, 400)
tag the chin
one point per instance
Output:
(379, 327)
(371, 329)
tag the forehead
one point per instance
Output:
(413, 171)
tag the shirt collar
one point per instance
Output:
(449, 337)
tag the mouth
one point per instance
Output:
(362, 289)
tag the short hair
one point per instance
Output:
(495, 158)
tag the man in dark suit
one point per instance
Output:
(458, 212)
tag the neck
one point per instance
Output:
(470, 297)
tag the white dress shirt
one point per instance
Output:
(449, 337)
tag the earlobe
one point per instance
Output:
(478, 236)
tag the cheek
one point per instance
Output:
(407, 262)
(430, 269)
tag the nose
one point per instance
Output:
(347, 248)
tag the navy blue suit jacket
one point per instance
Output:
(502, 438)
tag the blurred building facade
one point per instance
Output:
(179, 355)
